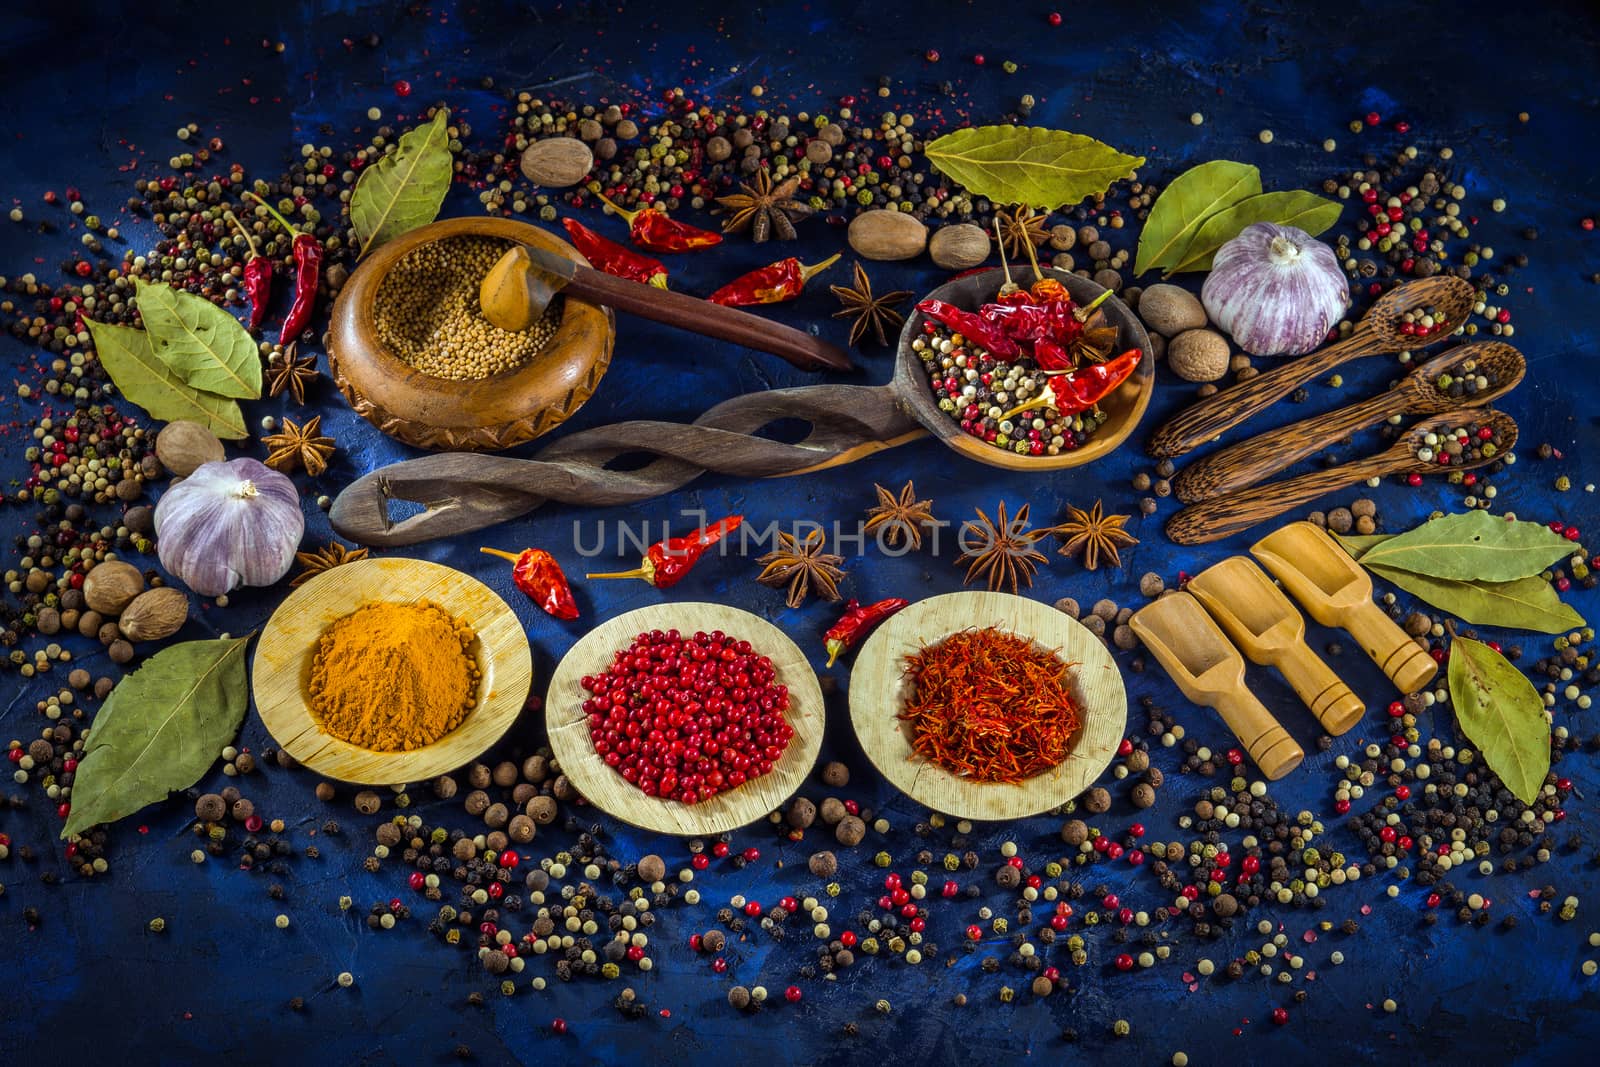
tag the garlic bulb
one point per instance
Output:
(1276, 289)
(229, 524)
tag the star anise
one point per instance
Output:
(1002, 549)
(901, 518)
(1094, 534)
(1094, 344)
(299, 446)
(1021, 226)
(803, 567)
(875, 314)
(766, 210)
(324, 559)
(288, 371)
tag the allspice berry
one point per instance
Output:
(832, 810)
(823, 864)
(850, 831)
(713, 940)
(367, 802)
(836, 774)
(739, 998)
(1138, 760)
(1007, 876)
(444, 787)
(242, 809)
(652, 869)
(1097, 800)
(542, 810)
(1224, 905)
(1074, 832)
(802, 813)
(325, 791)
(1144, 795)
(209, 807)
(496, 816)
(1043, 987)
(521, 829)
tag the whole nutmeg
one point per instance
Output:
(154, 614)
(836, 774)
(557, 162)
(1198, 355)
(521, 829)
(184, 445)
(1144, 795)
(850, 831)
(1097, 800)
(823, 864)
(111, 586)
(367, 802)
(887, 235)
(1171, 309)
(1074, 831)
(802, 813)
(959, 247)
(652, 869)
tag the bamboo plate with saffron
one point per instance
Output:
(605, 788)
(281, 672)
(879, 689)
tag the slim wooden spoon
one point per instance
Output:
(1220, 517)
(1378, 331)
(1248, 462)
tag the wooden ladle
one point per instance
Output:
(1268, 628)
(1210, 671)
(1336, 590)
(1248, 462)
(1378, 331)
(1219, 517)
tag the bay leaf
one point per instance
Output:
(1045, 169)
(128, 357)
(1358, 544)
(1502, 714)
(203, 344)
(1524, 604)
(405, 188)
(1293, 207)
(159, 731)
(1190, 199)
(1473, 546)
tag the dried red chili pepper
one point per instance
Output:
(855, 622)
(257, 276)
(649, 227)
(1083, 388)
(667, 561)
(536, 573)
(608, 256)
(772, 284)
(307, 252)
(969, 325)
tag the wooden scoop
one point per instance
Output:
(1336, 591)
(1210, 671)
(1270, 630)
(1214, 519)
(1378, 331)
(1248, 462)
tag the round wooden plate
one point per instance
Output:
(879, 689)
(606, 789)
(282, 668)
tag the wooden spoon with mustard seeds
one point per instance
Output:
(1219, 517)
(1379, 331)
(516, 290)
(1248, 462)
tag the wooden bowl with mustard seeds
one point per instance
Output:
(290, 688)
(414, 356)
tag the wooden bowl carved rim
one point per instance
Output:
(485, 414)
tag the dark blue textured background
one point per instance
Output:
(85, 84)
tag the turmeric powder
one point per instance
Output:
(394, 677)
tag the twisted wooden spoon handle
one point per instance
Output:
(1221, 412)
(462, 492)
(1220, 517)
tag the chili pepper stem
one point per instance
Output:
(1038, 401)
(496, 552)
(627, 216)
(274, 213)
(248, 239)
(637, 572)
(658, 280)
(807, 273)
(1010, 286)
(1084, 312)
(1033, 258)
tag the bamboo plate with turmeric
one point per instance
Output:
(605, 788)
(881, 689)
(492, 641)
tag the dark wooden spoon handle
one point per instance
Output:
(708, 319)
(461, 493)
(1248, 462)
(1221, 412)
(1224, 516)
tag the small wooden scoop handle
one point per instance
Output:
(1212, 520)
(1221, 412)
(1242, 465)
(1330, 700)
(1401, 658)
(1268, 743)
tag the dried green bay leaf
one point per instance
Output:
(1502, 714)
(1523, 604)
(1472, 546)
(159, 730)
(1190, 199)
(203, 344)
(405, 188)
(1358, 544)
(1294, 207)
(143, 378)
(1041, 168)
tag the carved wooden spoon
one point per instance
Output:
(1220, 517)
(1248, 462)
(1378, 331)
